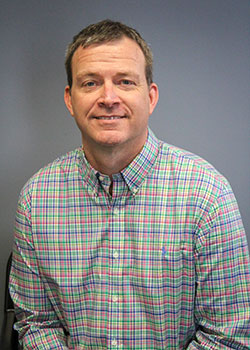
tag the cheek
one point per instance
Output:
(80, 106)
(143, 108)
(139, 103)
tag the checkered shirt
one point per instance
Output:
(163, 263)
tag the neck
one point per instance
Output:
(111, 160)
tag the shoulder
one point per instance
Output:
(196, 184)
(191, 169)
(61, 169)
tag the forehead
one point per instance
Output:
(122, 52)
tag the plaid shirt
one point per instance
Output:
(161, 264)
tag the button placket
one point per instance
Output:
(115, 255)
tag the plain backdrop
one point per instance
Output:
(201, 53)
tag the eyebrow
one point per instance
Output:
(128, 74)
(120, 74)
(86, 75)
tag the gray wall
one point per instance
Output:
(201, 66)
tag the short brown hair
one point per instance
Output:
(106, 31)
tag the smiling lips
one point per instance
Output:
(111, 117)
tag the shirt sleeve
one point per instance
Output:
(37, 323)
(222, 304)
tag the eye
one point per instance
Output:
(89, 83)
(127, 82)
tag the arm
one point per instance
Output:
(38, 324)
(222, 305)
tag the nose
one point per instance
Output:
(108, 97)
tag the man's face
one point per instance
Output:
(110, 98)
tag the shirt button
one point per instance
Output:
(135, 190)
(114, 342)
(101, 178)
(115, 254)
(115, 298)
(116, 211)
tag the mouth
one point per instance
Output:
(109, 117)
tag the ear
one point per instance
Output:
(67, 99)
(153, 97)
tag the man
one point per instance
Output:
(127, 242)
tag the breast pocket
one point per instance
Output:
(171, 267)
(177, 269)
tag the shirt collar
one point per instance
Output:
(134, 174)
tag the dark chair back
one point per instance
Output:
(9, 337)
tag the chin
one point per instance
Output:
(110, 139)
(109, 142)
